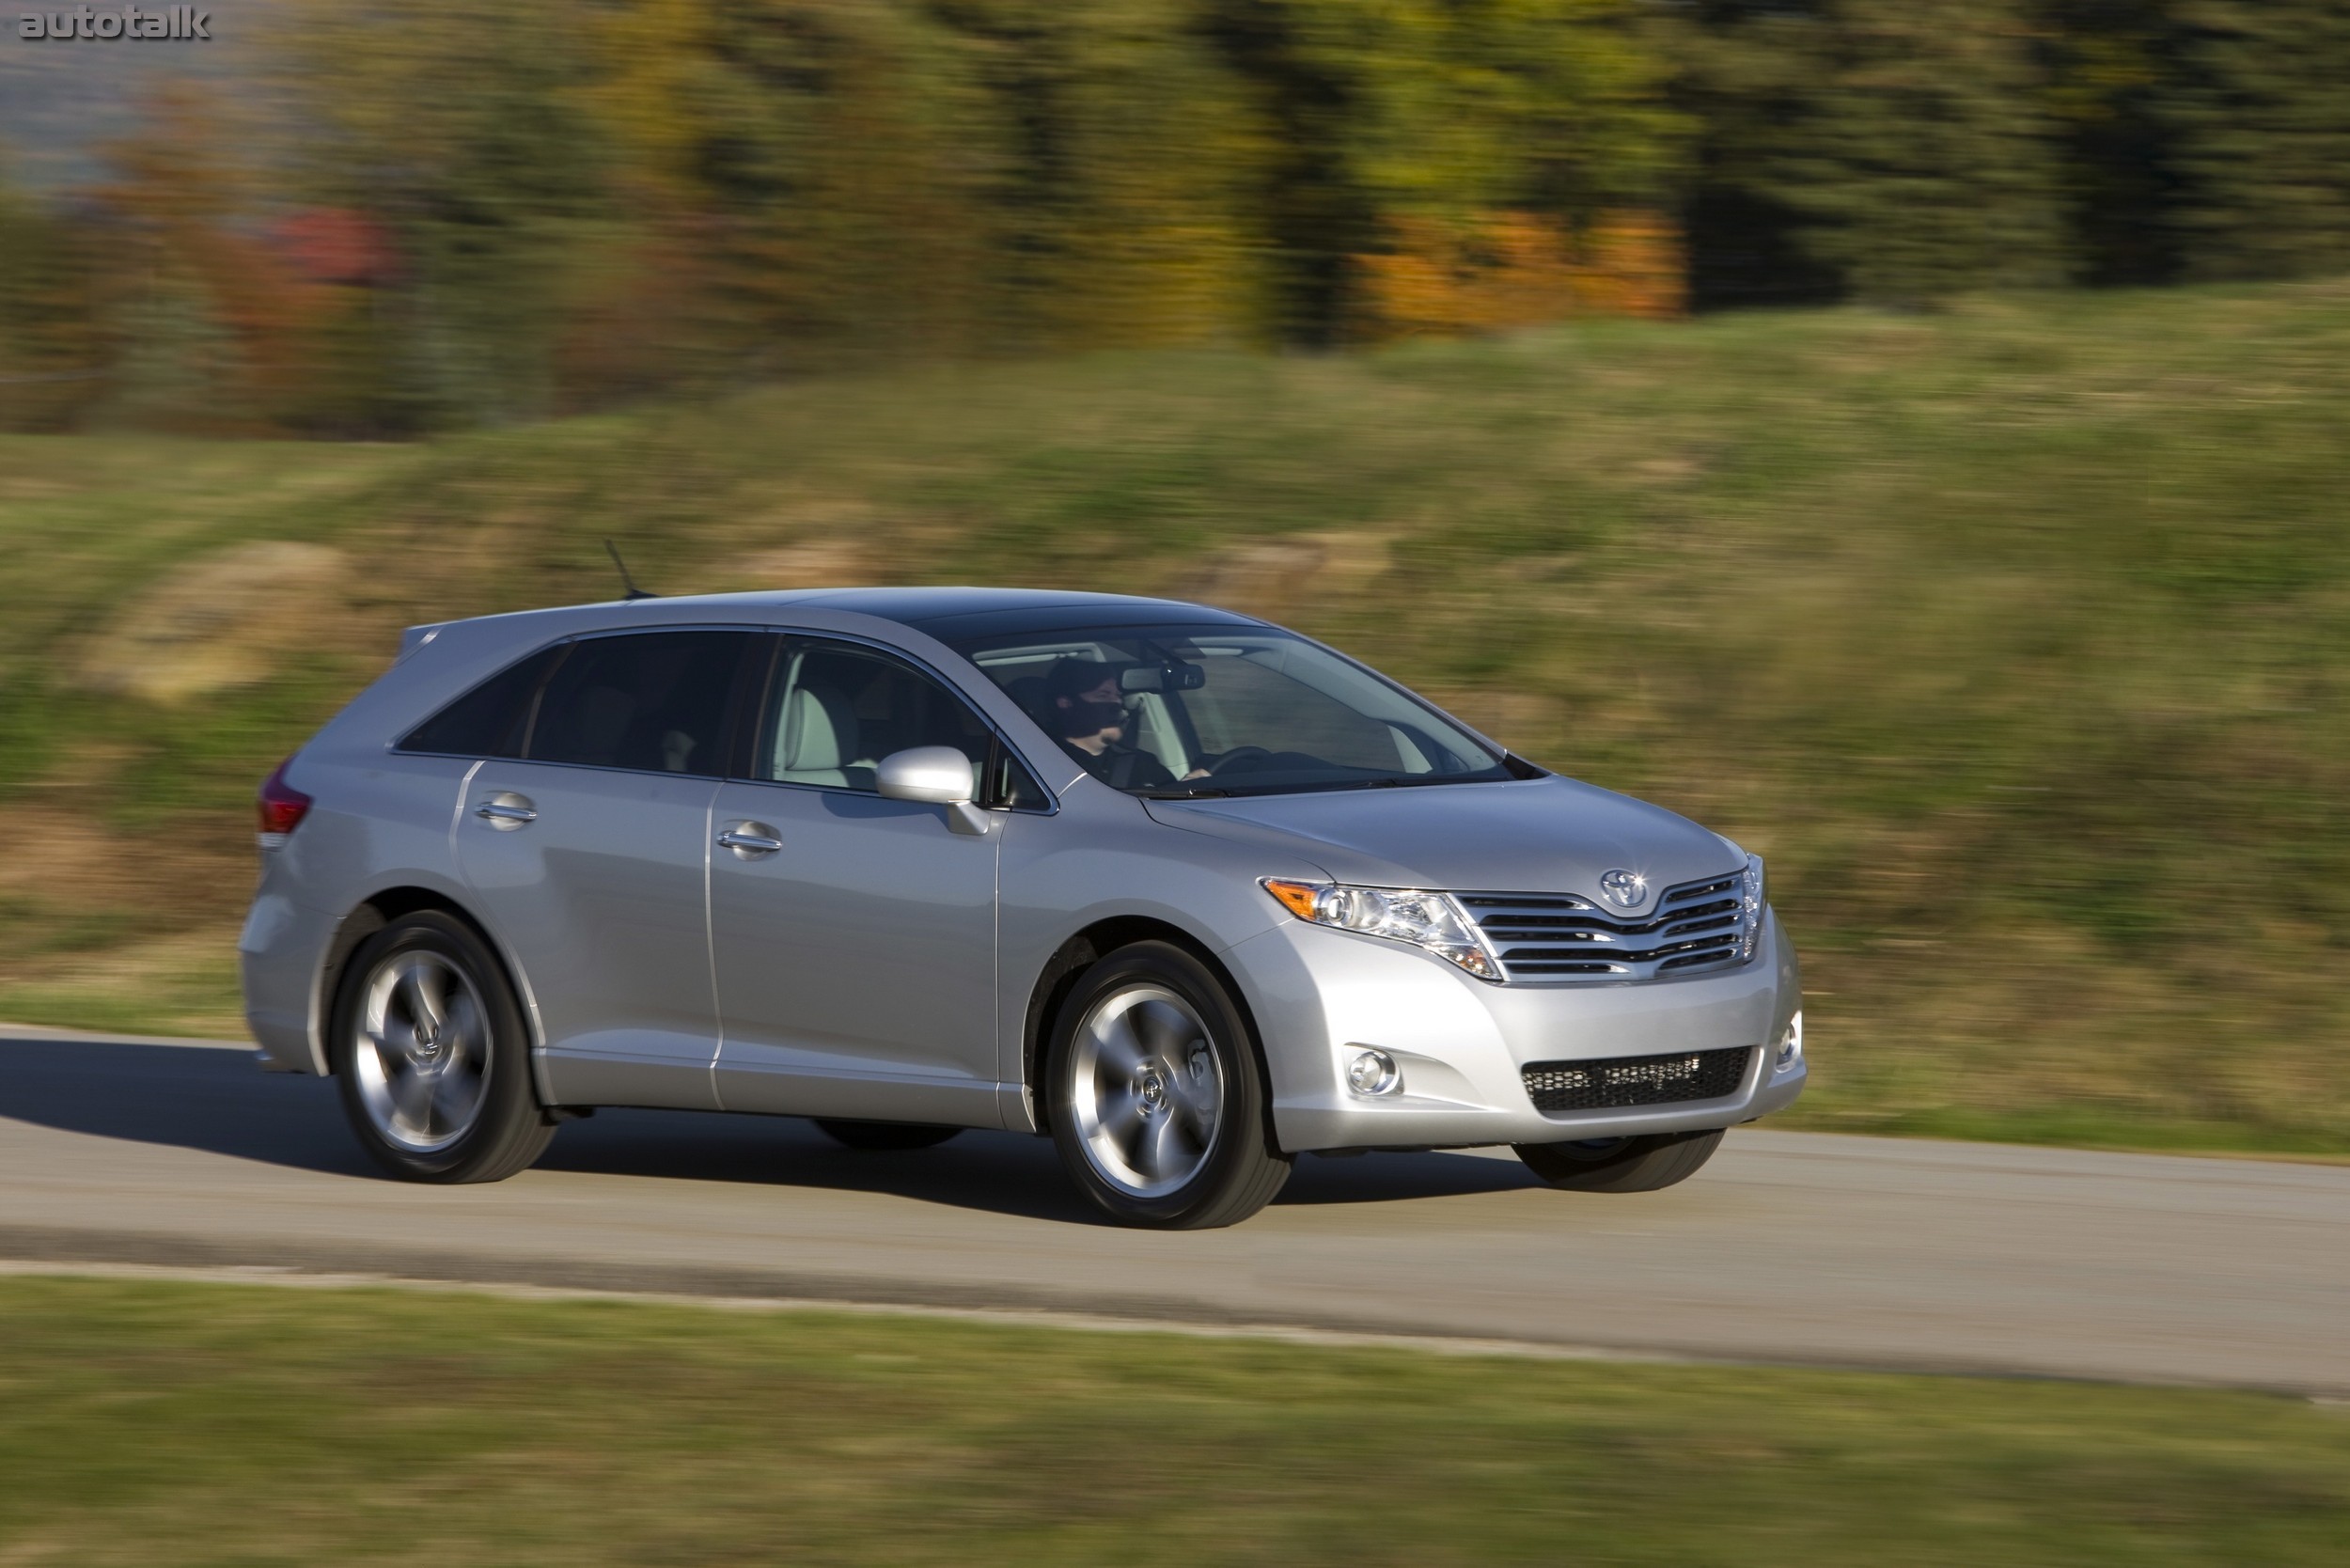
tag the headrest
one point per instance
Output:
(819, 731)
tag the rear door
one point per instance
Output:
(853, 936)
(589, 858)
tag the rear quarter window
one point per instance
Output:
(491, 720)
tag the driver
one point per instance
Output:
(1085, 712)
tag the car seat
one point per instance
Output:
(817, 740)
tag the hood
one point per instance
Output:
(1533, 836)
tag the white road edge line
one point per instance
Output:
(293, 1279)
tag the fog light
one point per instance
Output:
(1374, 1072)
(1790, 1045)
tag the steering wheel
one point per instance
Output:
(1238, 754)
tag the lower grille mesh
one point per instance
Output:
(1569, 1086)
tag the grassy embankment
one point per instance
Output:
(198, 1424)
(2017, 638)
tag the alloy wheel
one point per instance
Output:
(422, 1057)
(1147, 1089)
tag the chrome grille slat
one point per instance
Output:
(1561, 937)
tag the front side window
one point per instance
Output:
(652, 701)
(833, 710)
(1216, 710)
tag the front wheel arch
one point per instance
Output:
(1235, 1170)
(1072, 958)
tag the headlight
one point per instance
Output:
(1414, 915)
(1751, 902)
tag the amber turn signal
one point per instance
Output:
(1298, 898)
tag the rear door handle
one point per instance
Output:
(506, 811)
(749, 840)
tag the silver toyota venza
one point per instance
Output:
(1191, 893)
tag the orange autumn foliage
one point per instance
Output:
(1511, 270)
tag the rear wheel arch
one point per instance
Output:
(439, 1087)
(1072, 958)
(380, 909)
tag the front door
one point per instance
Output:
(590, 858)
(853, 936)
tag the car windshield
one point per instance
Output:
(1184, 712)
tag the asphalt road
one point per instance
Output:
(1789, 1248)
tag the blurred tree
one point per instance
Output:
(210, 318)
(789, 169)
(2111, 66)
(53, 353)
(1308, 208)
(1894, 150)
(826, 178)
(1436, 128)
(461, 131)
(1742, 77)
(1122, 152)
(1920, 160)
(2262, 120)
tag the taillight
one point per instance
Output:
(283, 807)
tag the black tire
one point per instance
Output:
(884, 1134)
(505, 1130)
(1621, 1165)
(1233, 1170)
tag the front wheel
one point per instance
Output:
(429, 1051)
(1621, 1164)
(1156, 1103)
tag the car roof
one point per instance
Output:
(951, 614)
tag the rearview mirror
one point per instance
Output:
(1172, 676)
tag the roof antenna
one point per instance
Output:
(628, 584)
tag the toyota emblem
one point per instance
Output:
(1625, 889)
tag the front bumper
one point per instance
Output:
(1322, 996)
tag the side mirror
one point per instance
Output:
(935, 775)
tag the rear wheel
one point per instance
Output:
(1621, 1164)
(430, 1054)
(884, 1134)
(1156, 1103)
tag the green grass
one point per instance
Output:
(193, 1424)
(2017, 638)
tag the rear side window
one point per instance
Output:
(491, 720)
(653, 701)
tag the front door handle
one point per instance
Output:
(749, 840)
(506, 811)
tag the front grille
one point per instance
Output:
(1572, 1085)
(1558, 936)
